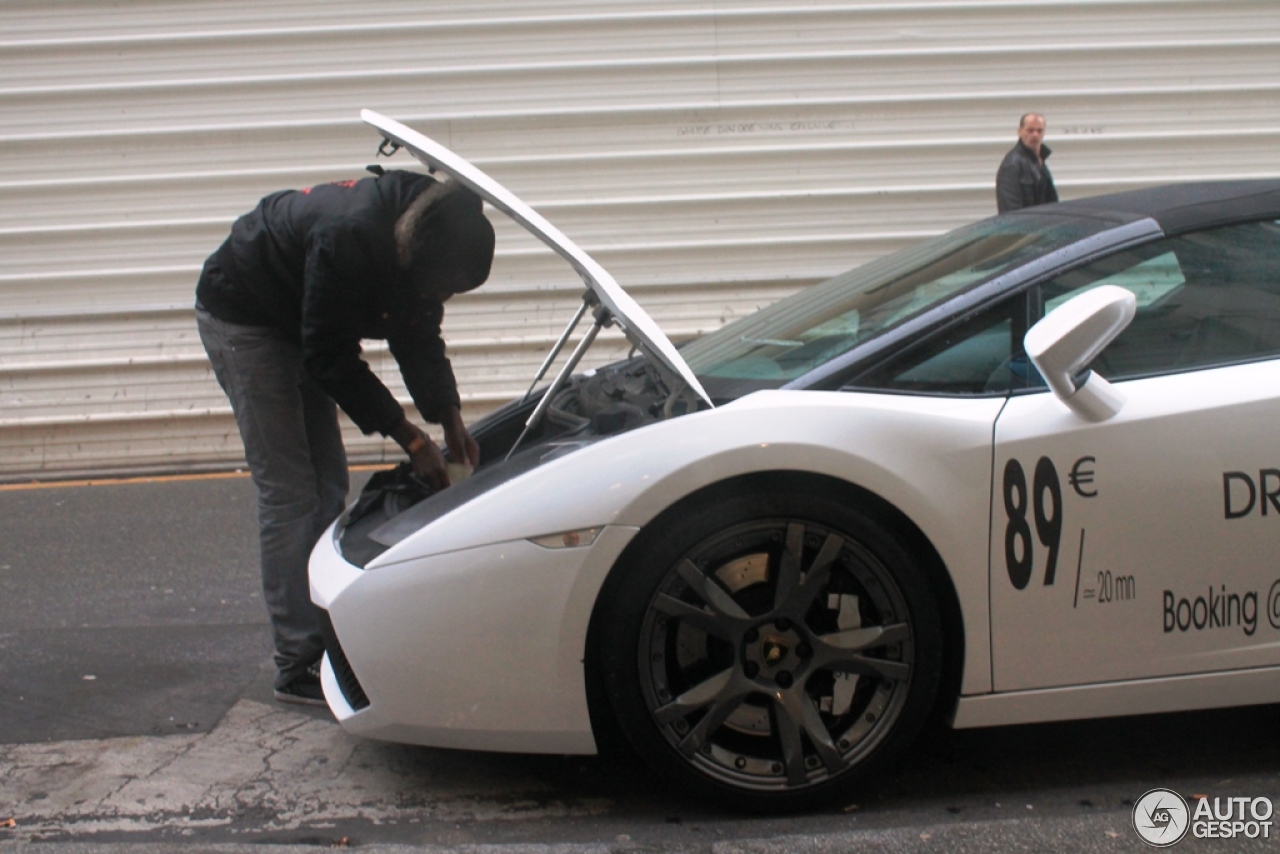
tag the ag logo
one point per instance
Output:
(1161, 817)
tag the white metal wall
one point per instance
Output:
(713, 155)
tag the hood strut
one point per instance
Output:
(603, 318)
(588, 300)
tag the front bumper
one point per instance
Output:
(478, 649)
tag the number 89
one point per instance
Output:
(1017, 535)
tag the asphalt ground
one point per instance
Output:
(128, 608)
(136, 714)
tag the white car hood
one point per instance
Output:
(636, 324)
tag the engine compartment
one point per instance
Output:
(590, 406)
(615, 399)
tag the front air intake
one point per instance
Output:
(347, 681)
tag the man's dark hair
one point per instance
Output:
(446, 225)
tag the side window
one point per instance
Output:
(1205, 299)
(979, 355)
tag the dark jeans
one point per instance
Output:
(293, 446)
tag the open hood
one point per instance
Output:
(640, 329)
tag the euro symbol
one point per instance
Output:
(1081, 476)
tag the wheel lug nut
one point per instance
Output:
(804, 651)
(750, 669)
(751, 636)
(783, 679)
(783, 624)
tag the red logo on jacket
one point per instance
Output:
(351, 183)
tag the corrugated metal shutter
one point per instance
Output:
(713, 156)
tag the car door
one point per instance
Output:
(1148, 544)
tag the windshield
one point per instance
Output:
(814, 326)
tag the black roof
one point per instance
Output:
(1185, 207)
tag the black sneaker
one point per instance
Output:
(304, 689)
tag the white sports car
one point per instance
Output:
(1025, 471)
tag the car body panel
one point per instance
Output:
(1143, 530)
(863, 439)
(1111, 699)
(498, 633)
(855, 436)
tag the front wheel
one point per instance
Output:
(770, 651)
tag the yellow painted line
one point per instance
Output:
(172, 478)
(116, 481)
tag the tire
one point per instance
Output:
(770, 651)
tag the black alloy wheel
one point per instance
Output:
(772, 660)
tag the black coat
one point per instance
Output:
(319, 267)
(1023, 181)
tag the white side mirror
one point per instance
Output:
(1071, 336)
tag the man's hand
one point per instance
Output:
(424, 456)
(462, 448)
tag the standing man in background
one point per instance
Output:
(1023, 179)
(282, 307)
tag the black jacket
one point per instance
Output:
(1022, 181)
(319, 266)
